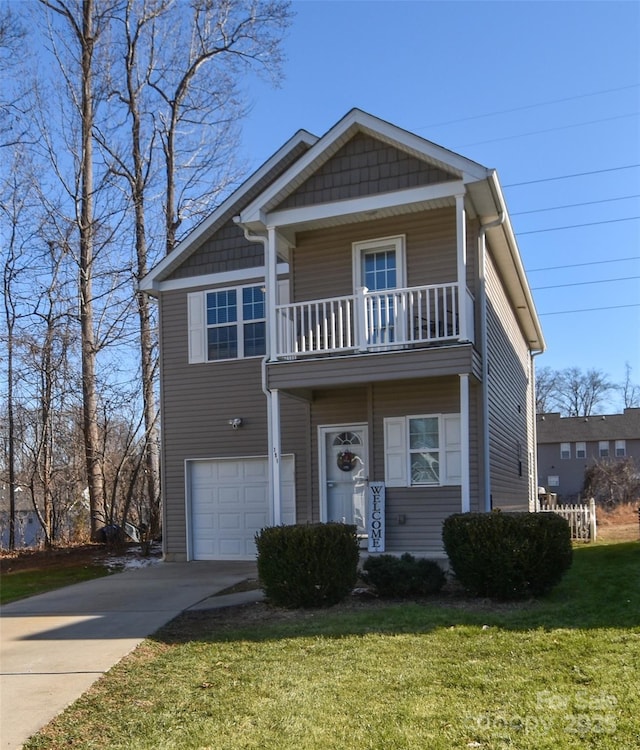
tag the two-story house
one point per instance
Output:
(356, 312)
(567, 446)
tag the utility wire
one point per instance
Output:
(531, 106)
(550, 130)
(589, 309)
(574, 205)
(588, 263)
(584, 283)
(568, 176)
(575, 226)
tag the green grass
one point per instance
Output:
(561, 672)
(20, 584)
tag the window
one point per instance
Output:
(422, 450)
(621, 448)
(227, 324)
(603, 449)
(553, 481)
(581, 450)
(565, 450)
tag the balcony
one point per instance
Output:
(393, 319)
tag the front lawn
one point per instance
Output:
(557, 673)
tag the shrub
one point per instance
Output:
(508, 555)
(307, 566)
(397, 577)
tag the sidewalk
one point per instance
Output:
(55, 645)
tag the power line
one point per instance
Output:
(549, 130)
(584, 283)
(568, 176)
(530, 106)
(588, 263)
(575, 226)
(575, 205)
(589, 309)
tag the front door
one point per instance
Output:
(345, 474)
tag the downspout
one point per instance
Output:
(534, 411)
(486, 454)
(272, 444)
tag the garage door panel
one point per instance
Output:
(229, 501)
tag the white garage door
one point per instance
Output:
(229, 501)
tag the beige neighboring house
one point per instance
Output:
(355, 315)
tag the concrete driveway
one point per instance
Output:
(54, 646)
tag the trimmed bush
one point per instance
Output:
(314, 565)
(398, 577)
(508, 555)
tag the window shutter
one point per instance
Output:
(195, 312)
(283, 292)
(452, 449)
(395, 452)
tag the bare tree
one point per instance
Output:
(612, 482)
(546, 390)
(580, 393)
(629, 391)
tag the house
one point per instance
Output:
(568, 445)
(28, 530)
(356, 312)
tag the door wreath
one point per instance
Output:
(346, 460)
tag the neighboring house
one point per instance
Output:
(357, 311)
(27, 529)
(568, 445)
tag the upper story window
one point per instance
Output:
(227, 324)
(621, 448)
(581, 450)
(379, 264)
(565, 450)
(603, 449)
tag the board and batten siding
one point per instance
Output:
(197, 402)
(322, 264)
(509, 399)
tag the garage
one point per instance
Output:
(229, 502)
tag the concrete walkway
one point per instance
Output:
(54, 646)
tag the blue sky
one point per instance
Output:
(537, 90)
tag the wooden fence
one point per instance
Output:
(581, 518)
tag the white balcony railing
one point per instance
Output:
(372, 321)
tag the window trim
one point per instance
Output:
(603, 452)
(620, 449)
(565, 448)
(581, 448)
(360, 248)
(397, 451)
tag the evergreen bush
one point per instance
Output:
(313, 565)
(508, 555)
(398, 577)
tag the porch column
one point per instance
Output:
(465, 490)
(271, 290)
(461, 241)
(274, 457)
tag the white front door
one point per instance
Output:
(344, 474)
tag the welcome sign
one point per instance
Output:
(375, 517)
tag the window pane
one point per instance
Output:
(254, 339)
(380, 270)
(222, 307)
(252, 303)
(222, 342)
(425, 468)
(423, 433)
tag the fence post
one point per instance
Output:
(593, 532)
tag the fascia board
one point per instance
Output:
(358, 120)
(218, 279)
(173, 259)
(292, 216)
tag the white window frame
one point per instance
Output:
(603, 449)
(396, 243)
(581, 450)
(565, 451)
(198, 326)
(397, 464)
(553, 480)
(621, 448)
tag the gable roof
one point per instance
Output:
(552, 428)
(291, 150)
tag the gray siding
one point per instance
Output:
(364, 166)
(322, 261)
(509, 400)
(197, 401)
